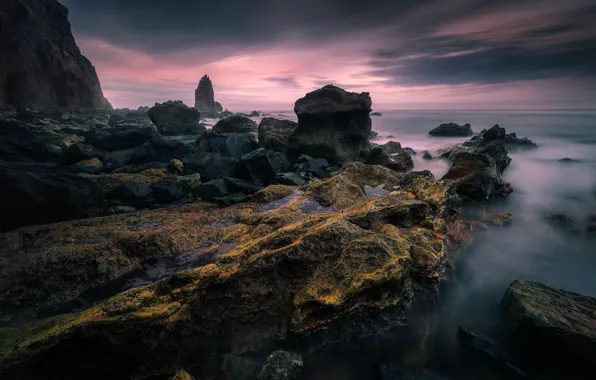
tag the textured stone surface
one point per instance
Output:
(40, 63)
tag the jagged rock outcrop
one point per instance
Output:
(205, 98)
(175, 118)
(332, 124)
(235, 124)
(40, 63)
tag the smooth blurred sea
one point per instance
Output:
(531, 249)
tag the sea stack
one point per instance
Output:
(40, 63)
(205, 98)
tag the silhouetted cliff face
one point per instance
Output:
(40, 63)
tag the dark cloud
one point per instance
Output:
(412, 42)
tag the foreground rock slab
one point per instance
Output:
(170, 283)
(556, 328)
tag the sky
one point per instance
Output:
(409, 54)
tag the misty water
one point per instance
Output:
(533, 248)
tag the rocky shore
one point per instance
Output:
(128, 253)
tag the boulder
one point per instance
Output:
(556, 328)
(376, 114)
(393, 372)
(426, 155)
(78, 152)
(477, 178)
(168, 191)
(175, 118)
(240, 186)
(282, 365)
(209, 191)
(19, 143)
(210, 165)
(274, 133)
(452, 130)
(115, 119)
(41, 65)
(332, 124)
(391, 147)
(399, 162)
(289, 179)
(497, 149)
(262, 166)
(235, 124)
(46, 196)
(234, 146)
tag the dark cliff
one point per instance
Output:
(40, 63)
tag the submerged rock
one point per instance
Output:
(332, 124)
(274, 133)
(555, 328)
(376, 114)
(175, 118)
(41, 63)
(452, 130)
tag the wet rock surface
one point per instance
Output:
(554, 328)
(274, 133)
(175, 118)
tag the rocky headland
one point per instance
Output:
(130, 254)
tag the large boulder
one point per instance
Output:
(262, 166)
(274, 133)
(19, 143)
(554, 327)
(234, 146)
(452, 130)
(210, 165)
(477, 178)
(46, 196)
(235, 124)
(332, 124)
(400, 162)
(175, 118)
(40, 63)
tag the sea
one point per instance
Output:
(532, 248)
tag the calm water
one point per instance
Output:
(532, 249)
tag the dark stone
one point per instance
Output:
(319, 173)
(373, 135)
(568, 160)
(274, 133)
(290, 179)
(477, 177)
(175, 118)
(554, 328)
(210, 166)
(120, 140)
(240, 368)
(452, 130)
(393, 372)
(241, 186)
(46, 196)
(333, 124)
(494, 133)
(564, 223)
(376, 114)
(168, 191)
(41, 65)
(426, 155)
(391, 147)
(410, 151)
(19, 143)
(77, 152)
(216, 188)
(132, 193)
(261, 166)
(497, 150)
(234, 146)
(498, 354)
(254, 114)
(282, 365)
(235, 124)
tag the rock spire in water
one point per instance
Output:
(205, 98)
